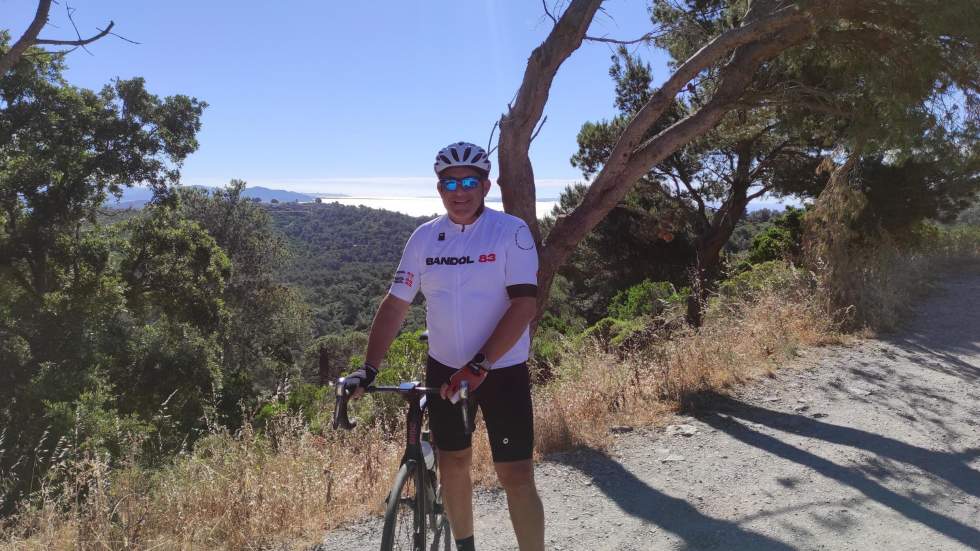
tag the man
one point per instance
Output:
(477, 268)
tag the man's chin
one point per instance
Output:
(462, 214)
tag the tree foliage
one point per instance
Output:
(631, 244)
(864, 62)
(780, 240)
(704, 188)
(902, 194)
(268, 323)
(145, 332)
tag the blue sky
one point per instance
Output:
(350, 97)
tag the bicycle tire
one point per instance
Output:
(404, 526)
(441, 528)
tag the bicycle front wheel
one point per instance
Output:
(404, 528)
(442, 536)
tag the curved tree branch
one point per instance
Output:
(551, 16)
(26, 40)
(645, 38)
(707, 56)
(517, 125)
(30, 37)
(80, 41)
(618, 174)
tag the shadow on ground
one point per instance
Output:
(674, 515)
(730, 415)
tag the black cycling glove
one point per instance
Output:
(362, 377)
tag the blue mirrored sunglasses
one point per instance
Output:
(452, 184)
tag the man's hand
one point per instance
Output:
(360, 379)
(474, 378)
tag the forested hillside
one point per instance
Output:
(342, 260)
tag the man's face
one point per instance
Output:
(462, 205)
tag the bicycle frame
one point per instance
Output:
(412, 459)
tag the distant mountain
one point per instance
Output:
(132, 198)
(266, 195)
(136, 197)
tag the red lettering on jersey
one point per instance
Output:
(492, 257)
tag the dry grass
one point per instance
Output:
(602, 390)
(234, 492)
(249, 491)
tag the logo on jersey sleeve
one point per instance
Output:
(459, 260)
(407, 278)
(524, 239)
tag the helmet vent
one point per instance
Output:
(462, 154)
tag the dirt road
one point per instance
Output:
(875, 446)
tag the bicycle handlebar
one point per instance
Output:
(342, 395)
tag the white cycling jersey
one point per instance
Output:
(468, 274)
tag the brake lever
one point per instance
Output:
(340, 418)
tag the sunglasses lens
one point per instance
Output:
(451, 184)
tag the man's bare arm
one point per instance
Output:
(385, 328)
(510, 327)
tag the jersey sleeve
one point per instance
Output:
(521, 269)
(408, 276)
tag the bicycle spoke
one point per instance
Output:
(404, 521)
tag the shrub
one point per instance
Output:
(614, 334)
(312, 403)
(767, 276)
(648, 298)
(781, 240)
(333, 355)
(546, 351)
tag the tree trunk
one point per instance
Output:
(709, 246)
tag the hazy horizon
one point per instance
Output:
(414, 196)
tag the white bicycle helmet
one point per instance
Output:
(462, 154)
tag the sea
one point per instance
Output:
(424, 206)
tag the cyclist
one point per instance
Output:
(477, 268)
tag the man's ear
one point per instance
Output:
(486, 186)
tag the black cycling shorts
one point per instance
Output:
(505, 400)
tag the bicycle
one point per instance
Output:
(405, 500)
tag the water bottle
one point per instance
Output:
(429, 454)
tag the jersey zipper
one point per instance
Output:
(456, 300)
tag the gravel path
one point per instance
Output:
(874, 446)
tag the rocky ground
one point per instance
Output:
(873, 446)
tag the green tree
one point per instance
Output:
(70, 313)
(631, 244)
(893, 56)
(904, 193)
(781, 240)
(705, 187)
(268, 324)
